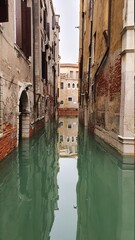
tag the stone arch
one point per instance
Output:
(24, 113)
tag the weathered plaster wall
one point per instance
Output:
(15, 70)
(68, 91)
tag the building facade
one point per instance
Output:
(68, 136)
(29, 45)
(106, 71)
(68, 89)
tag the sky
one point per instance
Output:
(69, 35)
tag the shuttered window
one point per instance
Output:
(46, 71)
(18, 24)
(3, 10)
(45, 20)
(48, 30)
(90, 7)
(23, 27)
(44, 67)
(53, 22)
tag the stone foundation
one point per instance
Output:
(123, 146)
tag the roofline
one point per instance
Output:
(69, 65)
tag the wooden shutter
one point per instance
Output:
(3, 10)
(48, 30)
(24, 23)
(26, 29)
(44, 67)
(18, 23)
(46, 71)
(28, 32)
(53, 22)
(45, 20)
(43, 64)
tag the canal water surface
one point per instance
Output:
(65, 184)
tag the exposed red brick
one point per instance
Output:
(8, 141)
(109, 81)
(67, 112)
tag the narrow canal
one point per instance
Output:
(66, 185)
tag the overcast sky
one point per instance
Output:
(69, 35)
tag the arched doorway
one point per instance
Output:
(24, 115)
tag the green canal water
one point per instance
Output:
(66, 184)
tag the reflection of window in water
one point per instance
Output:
(68, 139)
(61, 138)
(69, 126)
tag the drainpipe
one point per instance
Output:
(90, 50)
(34, 77)
(107, 49)
(81, 63)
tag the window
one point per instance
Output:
(90, 7)
(71, 74)
(68, 85)
(73, 85)
(69, 126)
(53, 22)
(23, 27)
(77, 74)
(45, 19)
(61, 102)
(72, 139)
(62, 85)
(77, 85)
(68, 139)
(48, 30)
(44, 66)
(93, 48)
(70, 99)
(4, 11)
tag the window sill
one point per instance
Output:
(1, 28)
(20, 53)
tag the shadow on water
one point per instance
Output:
(28, 188)
(105, 192)
(29, 193)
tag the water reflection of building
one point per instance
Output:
(28, 189)
(105, 193)
(68, 132)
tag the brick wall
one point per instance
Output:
(108, 89)
(8, 141)
(67, 112)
